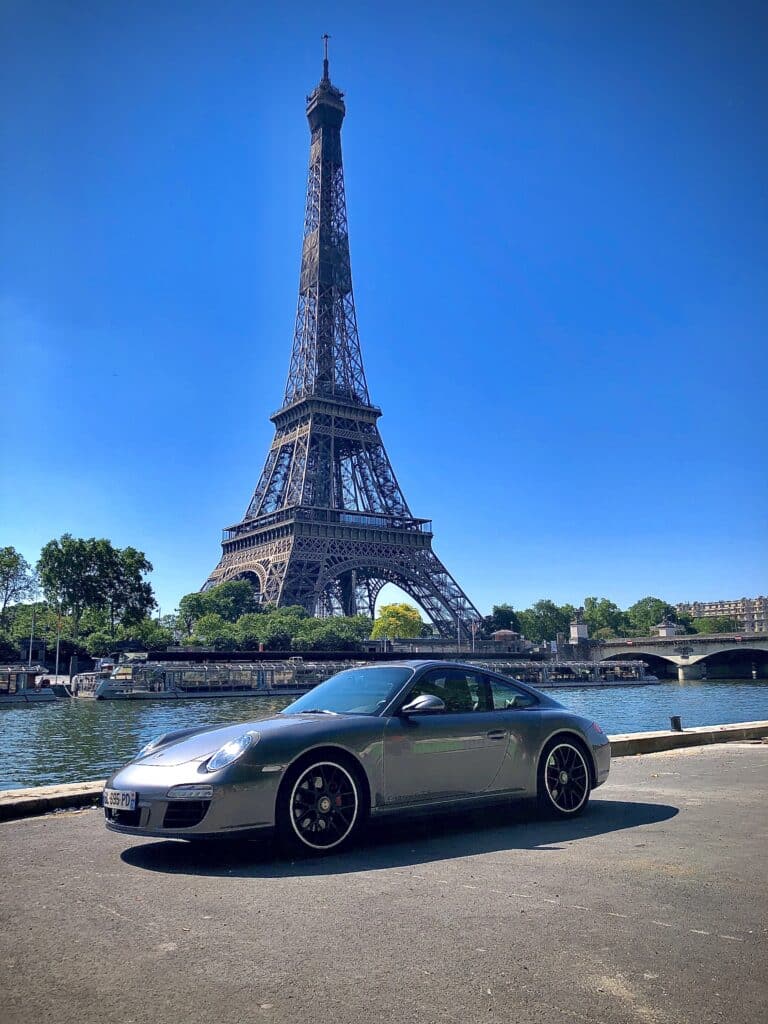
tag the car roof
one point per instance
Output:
(421, 662)
(417, 663)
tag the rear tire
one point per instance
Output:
(320, 807)
(564, 778)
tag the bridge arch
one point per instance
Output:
(740, 662)
(735, 661)
(657, 664)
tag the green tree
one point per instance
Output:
(250, 630)
(685, 624)
(231, 599)
(716, 624)
(397, 620)
(170, 623)
(544, 620)
(99, 642)
(278, 634)
(603, 617)
(604, 633)
(648, 612)
(17, 581)
(128, 597)
(79, 575)
(19, 622)
(341, 633)
(212, 629)
(146, 633)
(69, 576)
(360, 626)
(503, 616)
(191, 607)
(151, 634)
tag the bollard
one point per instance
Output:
(675, 723)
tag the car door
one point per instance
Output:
(452, 754)
(517, 711)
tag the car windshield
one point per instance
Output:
(356, 691)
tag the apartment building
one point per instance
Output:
(751, 613)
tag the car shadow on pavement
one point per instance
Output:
(402, 843)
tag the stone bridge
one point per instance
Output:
(695, 657)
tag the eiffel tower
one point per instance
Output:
(328, 525)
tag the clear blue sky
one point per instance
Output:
(558, 227)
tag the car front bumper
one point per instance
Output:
(240, 803)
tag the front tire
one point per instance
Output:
(320, 807)
(564, 780)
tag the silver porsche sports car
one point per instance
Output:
(370, 741)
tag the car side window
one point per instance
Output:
(508, 697)
(460, 691)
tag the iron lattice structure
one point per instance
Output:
(328, 525)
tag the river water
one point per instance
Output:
(76, 740)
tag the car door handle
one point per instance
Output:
(497, 734)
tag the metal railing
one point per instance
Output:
(376, 520)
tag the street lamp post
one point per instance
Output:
(58, 641)
(473, 628)
(31, 637)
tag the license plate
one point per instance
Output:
(119, 800)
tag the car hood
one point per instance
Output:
(202, 744)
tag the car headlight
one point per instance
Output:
(231, 751)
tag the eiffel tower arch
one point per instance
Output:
(328, 526)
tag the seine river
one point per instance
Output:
(77, 740)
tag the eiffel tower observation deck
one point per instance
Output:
(328, 524)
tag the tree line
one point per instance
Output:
(544, 620)
(229, 616)
(96, 597)
(86, 592)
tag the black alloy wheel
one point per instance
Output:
(564, 779)
(320, 808)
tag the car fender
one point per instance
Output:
(564, 729)
(368, 756)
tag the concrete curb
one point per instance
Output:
(632, 743)
(25, 803)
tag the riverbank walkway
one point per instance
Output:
(652, 908)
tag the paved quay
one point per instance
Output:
(652, 908)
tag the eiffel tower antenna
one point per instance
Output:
(328, 526)
(326, 37)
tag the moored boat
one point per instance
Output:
(148, 680)
(25, 685)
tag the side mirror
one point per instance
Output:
(426, 704)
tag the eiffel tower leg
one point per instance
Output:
(301, 583)
(367, 592)
(348, 585)
(446, 604)
(421, 575)
(265, 566)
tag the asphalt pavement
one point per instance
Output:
(652, 907)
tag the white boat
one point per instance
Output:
(148, 680)
(25, 684)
